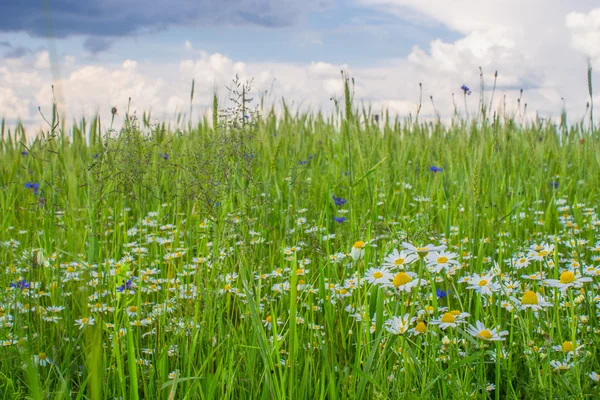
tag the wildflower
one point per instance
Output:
(450, 319)
(553, 184)
(339, 219)
(594, 376)
(481, 332)
(421, 251)
(397, 325)
(21, 284)
(532, 300)
(42, 359)
(466, 90)
(398, 259)
(568, 347)
(126, 286)
(566, 280)
(441, 294)
(378, 275)
(338, 201)
(34, 186)
(564, 365)
(433, 168)
(24, 153)
(165, 156)
(483, 284)
(84, 321)
(404, 281)
(436, 261)
(358, 250)
(420, 329)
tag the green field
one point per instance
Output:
(255, 256)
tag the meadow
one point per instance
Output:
(252, 255)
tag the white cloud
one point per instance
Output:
(585, 33)
(504, 36)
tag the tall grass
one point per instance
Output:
(212, 266)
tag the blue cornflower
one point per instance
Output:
(24, 153)
(441, 294)
(433, 168)
(338, 201)
(466, 89)
(22, 284)
(554, 184)
(35, 186)
(95, 155)
(249, 156)
(165, 156)
(302, 162)
(339, 219)
(126, 286)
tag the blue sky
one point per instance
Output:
(100, 53)
(340, 32)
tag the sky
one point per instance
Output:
(96, 55)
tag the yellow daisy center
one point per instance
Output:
(70, 270)
(359, 245)
(483, 282)
(442, 260)
(42, 356)
(485, 334)
(542, 253)
(399, 261)
(421, 327)
(529, 297)
(567, 347)
(132, 309)
(269, 318)
(448, 318)
(377, 275)
(402, 278)
(567, 277)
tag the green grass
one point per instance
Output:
(237, 291)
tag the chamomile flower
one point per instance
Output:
(41, 359)
(378, 276)
(563, 365)
(568, 347)
(483, 333)
(397, 325)
(420, 329)
(450, 319)
(404, 281)
(84, 321)
(483, 285)
(437, 261)
(594, 376)
(422, 251)
(531, 300)
(568, 279)
(399, 259)
(358, 250)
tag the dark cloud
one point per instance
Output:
(97, 44)
(14, 52)
(118, 18)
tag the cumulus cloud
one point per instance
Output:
(539, 58)
(585, 33)
(116, 18)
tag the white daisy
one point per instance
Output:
(481, 332)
